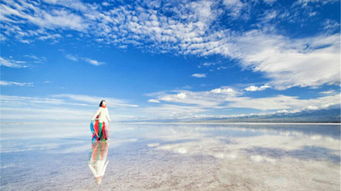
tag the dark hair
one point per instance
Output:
(101, 103)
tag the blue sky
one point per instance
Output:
(168, 59)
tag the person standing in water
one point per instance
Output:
(100, 122)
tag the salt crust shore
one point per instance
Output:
(195, 157)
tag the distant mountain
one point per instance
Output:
(328, 115)
(332, 115)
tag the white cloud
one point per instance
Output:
(74, 4)
(224, 90)
(181, 105)
(171, 111)
(202, 99)
(191, 29)
(44, 20)
(64, 106)
(269, 1)
(194, 98)
(10, 83)
(255, 88)
(22, 101)
(203, 102)
(181, 95)
(328, 92)
(199, 75)
(27, 61)
(112, 102)
(285, 62)
(235, 7)
(61, 18)
(309, 62)
(270, 15)
(12, 63)
(42, 114)
(105, 4)
(93, 62)
(72, 57)
(282, 102)
(331, 25)
(306, 2)
(207, 64)
(203, 11)
(50, 37)
(55, 18)
(153, 101)
(88, 60)
(35, 59)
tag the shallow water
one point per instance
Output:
(59, 156)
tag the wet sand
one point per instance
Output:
(176, 157)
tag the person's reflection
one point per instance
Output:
(98, 161)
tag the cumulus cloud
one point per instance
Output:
(176, 105)
(309, 62)
(10, 83)
(307, 2)
(228, 98)
(224, 90)
(269, 1)
(188, 28)
(112, 102)
(30, 11)
(72, 57)
(71, 107)
(24, 62)
(255, 88)
(328, 92)
(203, 102)
(41, 114)
(35, 59)
(88, 60)
(171, 111)
(93, 62)
(7, 100)
(199, 75)
(153, 101)
(282, 102)
(12, 63)
(235, 7)
(202, 99)
(74, 4)
(270, 15)
(207, 64)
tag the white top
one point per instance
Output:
(98, 167)
(103, 115)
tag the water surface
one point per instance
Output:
(171, 157)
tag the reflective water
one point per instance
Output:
(171, 157)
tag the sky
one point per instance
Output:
(153, 59)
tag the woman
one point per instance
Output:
(98, 160)
(99, 122)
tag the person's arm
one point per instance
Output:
(97, 113)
